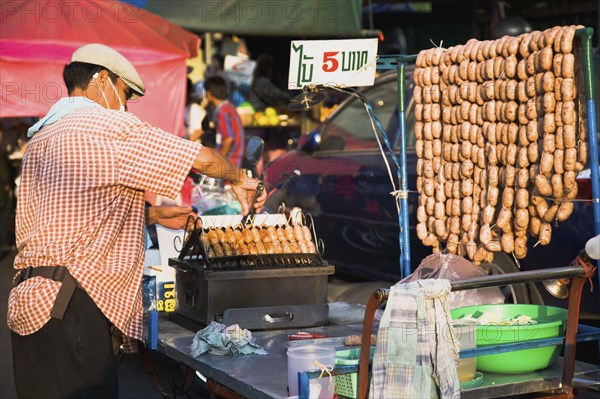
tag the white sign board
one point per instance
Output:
(332, 62)
(239, 69)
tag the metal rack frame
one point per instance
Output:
(194, 250)
(398, 62)
(578, 274)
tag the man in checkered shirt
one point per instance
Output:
(80, 226)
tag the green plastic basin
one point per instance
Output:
(551, 322)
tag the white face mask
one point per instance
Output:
(121, 107)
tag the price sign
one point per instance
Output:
(166, 297)
(332, 62)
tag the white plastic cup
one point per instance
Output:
(302, 358)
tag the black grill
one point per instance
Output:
(247, 289)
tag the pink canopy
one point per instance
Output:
(37, 39)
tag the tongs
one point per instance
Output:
(252, 211)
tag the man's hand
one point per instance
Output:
(244, 189)
(212, 163)
(172, 217)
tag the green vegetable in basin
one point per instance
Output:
(515, 323)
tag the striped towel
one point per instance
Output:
(417, 350)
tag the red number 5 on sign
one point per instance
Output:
(330, 63)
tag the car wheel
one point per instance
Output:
(526, 293)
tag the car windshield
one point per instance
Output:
(351, 130)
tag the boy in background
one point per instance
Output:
(230, 132)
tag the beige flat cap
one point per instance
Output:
(99, 54)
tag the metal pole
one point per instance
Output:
(404, 222)
(388, 62)
(506, 279)
(590, 93)
(588, 73)
(208, 48)
(518, 277)
(571, 334)
(375, 300)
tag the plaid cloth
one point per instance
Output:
(417, 350)
(81, 205)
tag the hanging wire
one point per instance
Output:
(378, 127)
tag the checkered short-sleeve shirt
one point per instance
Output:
(81, 205)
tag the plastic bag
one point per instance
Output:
(210, 197)
(453, 267)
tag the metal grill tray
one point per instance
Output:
(257, 262)
(258, 265)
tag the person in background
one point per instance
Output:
(230, 132)
(217, 68)
(194, 114)
(80, 226)
(207, 126)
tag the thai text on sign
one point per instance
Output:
(332, 62)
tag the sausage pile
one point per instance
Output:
(258, 240)
(501, 136)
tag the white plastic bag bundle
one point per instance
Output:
(452, 267)
(210, 194)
